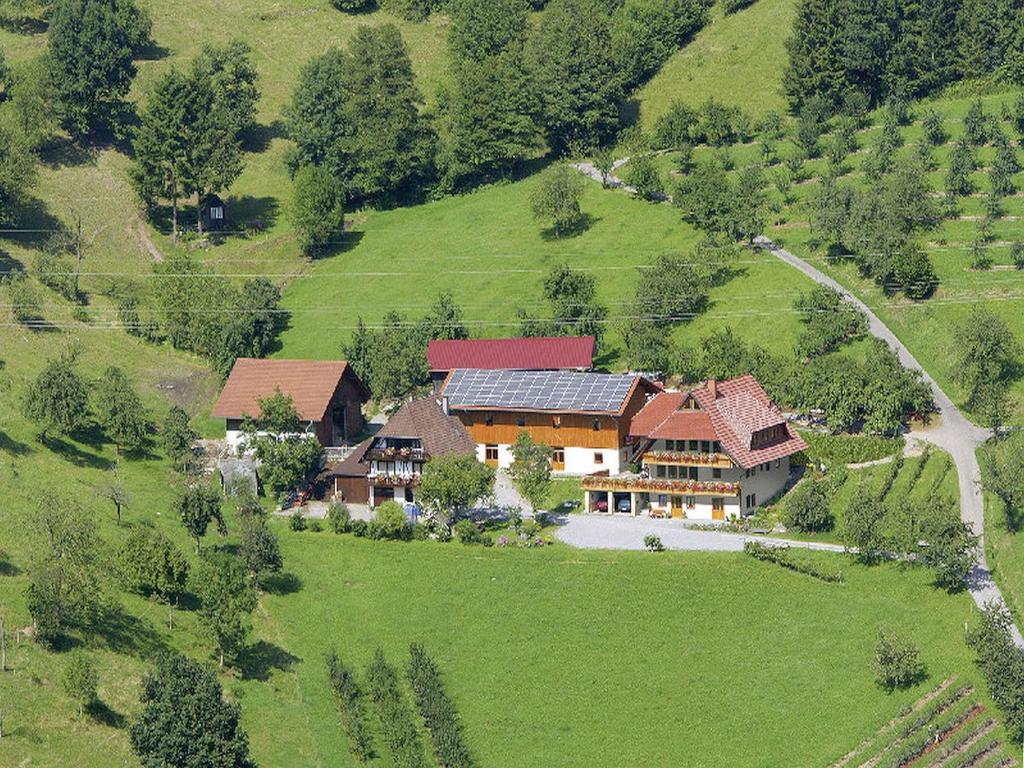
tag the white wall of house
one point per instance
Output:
(763, 483)
(701, 508)
(578, 461)
(235, 437)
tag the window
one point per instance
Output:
(521, 421)
(489, 420)
(216, 213)
(694, 445)
(598, 457)
(659, 470)
(705, 446)
(597, 425)
(556, 422)
(691, 473)
(673, 472)
(491, 453)
(558, 458)
(716, 473)
(670, 445)
(778, 463)
(691, 501)
(716, 447)
(751, 500)
(662, 500)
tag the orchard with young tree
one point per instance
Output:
(228, 596)
(197, 507)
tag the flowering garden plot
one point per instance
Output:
(947, 727)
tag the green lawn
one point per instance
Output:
(737, 59)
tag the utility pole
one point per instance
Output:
(78, 250)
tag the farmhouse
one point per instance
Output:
(713, 452)
(328, 397)
(549, 353)
(390, 464)
(584, 417)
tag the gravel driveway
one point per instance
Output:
(614, 532)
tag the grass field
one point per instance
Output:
(633, 658)
(737, 59)
(489, 252)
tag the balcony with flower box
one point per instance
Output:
(392, 453)
(633, 483)
(688, 459)
(394, 481)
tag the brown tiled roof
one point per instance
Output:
(424, 420)
(662, 419)
(310, 383)
(730, 412)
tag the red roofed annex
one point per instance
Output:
(327, 395)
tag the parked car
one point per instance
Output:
(623, 505)
(601, 506)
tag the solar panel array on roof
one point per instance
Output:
(538, 390)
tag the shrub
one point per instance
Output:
(653, 543)
(437, 709)
(350, 702)
(315, 525)
(339, 518)
(390, 522)
(360, 528)
(297, 522)
(468, 532)
(896, 662)
(807, 508)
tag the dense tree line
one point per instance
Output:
(517, 90)
(883, 49)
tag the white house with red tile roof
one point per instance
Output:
(719, 450)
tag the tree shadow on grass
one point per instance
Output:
(74, 454)
(257, 661)
(259, 138)
(252, 213)
(282, 583)
(66, 153)
(122, 632)
(14, 447)
(101, 713)
(21, 24)
(153, 51)
(581, 225)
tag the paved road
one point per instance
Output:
(955, 433)
(615, 532)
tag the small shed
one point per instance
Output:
(346, 480)
(213, 212)
(238, 476)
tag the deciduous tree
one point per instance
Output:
(186, 721)
(228, 597)
(452, 484)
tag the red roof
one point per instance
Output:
(730, 412)
(310, 383)
(542, 353)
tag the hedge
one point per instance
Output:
(783, 556)
(437, 709)
(849, 449)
